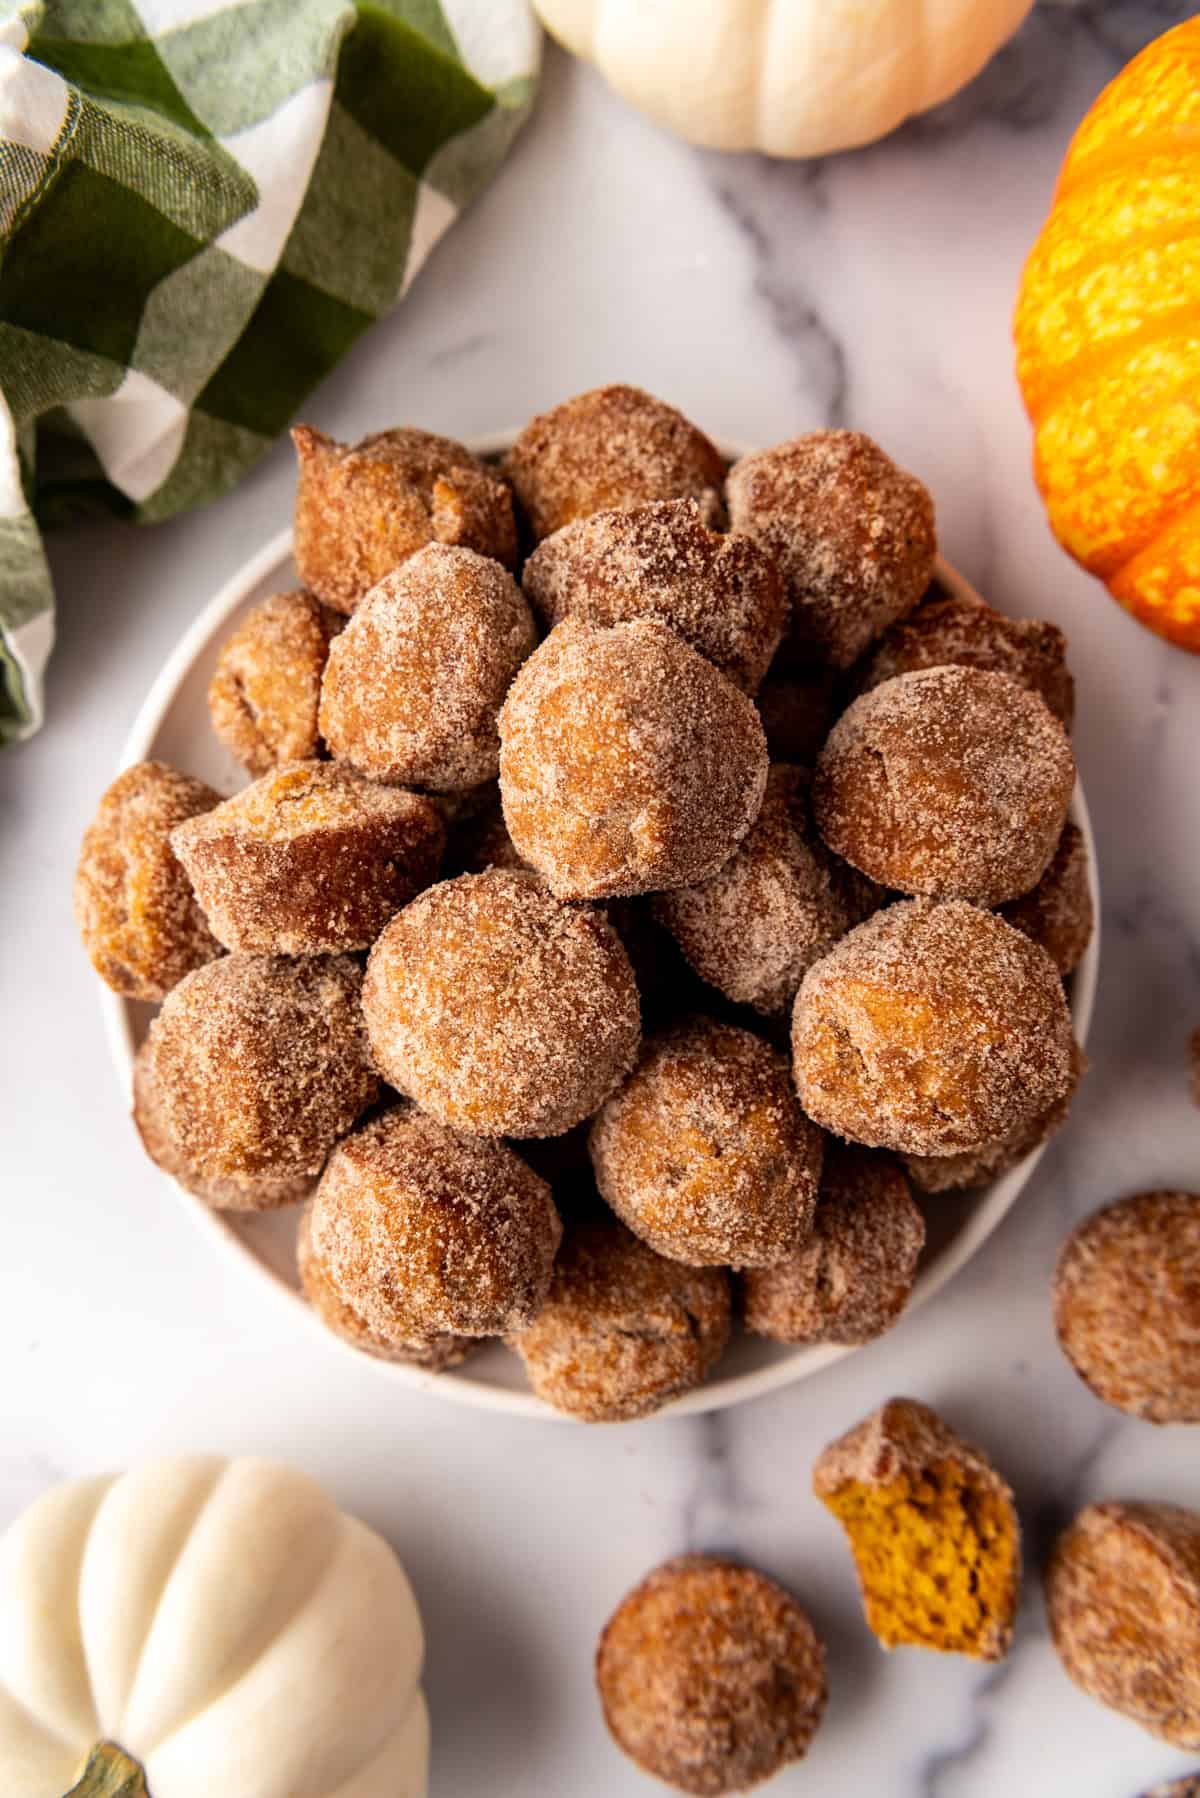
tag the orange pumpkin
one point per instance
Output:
(1108, 340)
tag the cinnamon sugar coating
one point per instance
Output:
(264, 692)
(435, 1353)
(414, 682)
(853, 1277)
(716, 590)
(611, 447)
(1123, 1601)
(954, 1173)
(363, 508)
(623, 1330)
(780, 902)
(931, 1029)
(711, 1676)
(852, 535)
(1127, 1305)
(1058, 913)
(134, 907)
(705, 1153)
(309, 860)
(425, 1231)
(797, 707)
(628, 764)
(950, 628)
(260, 1064)
(499, 1009)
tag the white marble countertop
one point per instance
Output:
(874, 290)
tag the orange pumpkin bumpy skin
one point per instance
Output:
(266, 687)
(435, 1352)
(1107, 360)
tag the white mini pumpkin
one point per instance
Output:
(220, 1622)
(790, 77)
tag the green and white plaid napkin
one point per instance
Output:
(202, 204)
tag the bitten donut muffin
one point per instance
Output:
(948, 627)
(612, 447)
(627, 763)
(500, 1010)
(781, 901)
(311, 859)
(1123, 1600)
(705, 1153)
(435, 1353)
(931, 1029)
(134, 905)
(852, 534)
(711, 1676)
(953, 1173)
(264, 692)
(853, 1277)
(414, 682)
(260, 1064)
(624, 1330)
(363, 508)
(1127, 1305)
(718, 591)
(951, 782)
(1057, 913)
(425, 1231)
(797, 708)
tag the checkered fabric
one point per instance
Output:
(202, 204)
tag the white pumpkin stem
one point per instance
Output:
(109, 1773)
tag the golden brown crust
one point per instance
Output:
(134, 907)
(435, 1353)
(363, 508)
(955, 1173)
(1058, 914)
(711, 1676)
(611, 447)
(266, 686)
(1127, 1305)
(311, 859)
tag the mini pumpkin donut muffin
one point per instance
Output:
(853, 1277)
(954, 1173)
(134, 906)
(624, 1330)
(628, 764)
(434, 1353)
(425, 1231)
(950, 628)
(711, 1676)
(797, 708)
(260, 1064)
(1127, 1305)
(719, 591)
(265, 689)
(363, 508)
(309, 860)
(781, 901)
(500, 1010)
(414, 682)
(933, 1529)
(1123, 1601)
(612, 447)
(931, 1029)
(852, 534)
(1057, 913)
(952, 782)
(705, 1153)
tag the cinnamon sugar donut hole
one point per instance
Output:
(309, 860)
(414, 682)
(624, 1331)
(705, 1153)
(265, 689)
(711, 1676)
(612, 447)
(1057, 914)
(434, 1353)
(718, 591)
(854, 1276)
(500, 1010)
(260, 1064)
(952, 783)
(134, 906)
(955, 1173)
(363, 508)
(425, 1231)
(852, 534)
(628, 764)
(931, 1029)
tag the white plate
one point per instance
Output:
(173, 726)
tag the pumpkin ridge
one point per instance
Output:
(1097, 361)
(1164, 235)
(1175, 144)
